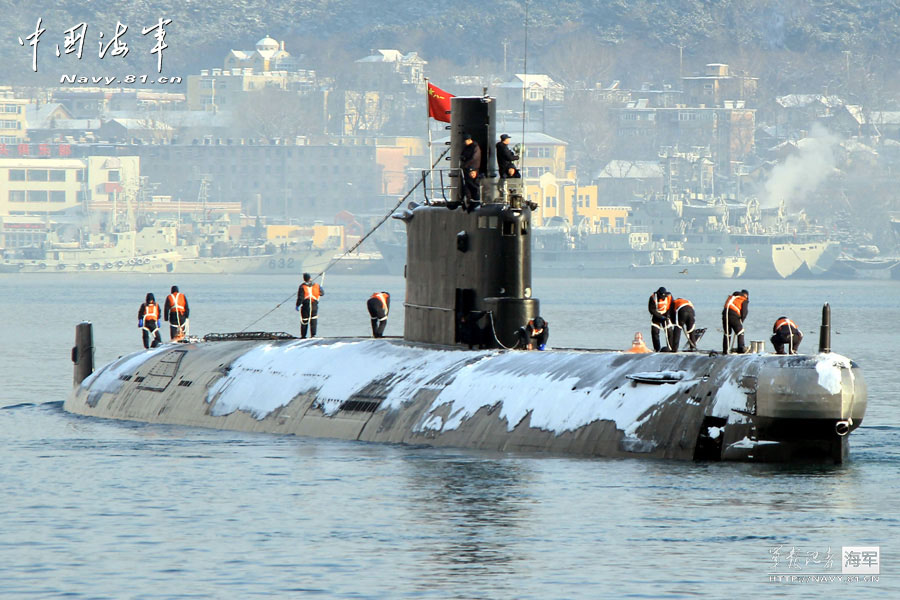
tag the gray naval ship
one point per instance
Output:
(457, 378)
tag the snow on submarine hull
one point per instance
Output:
(750, 407)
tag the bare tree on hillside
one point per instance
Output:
(272, 112)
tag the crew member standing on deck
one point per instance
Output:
(684, 319)
(379, 305)
(733, 316)
(506, 159)
(176, 313)
(660, 307)
(148, 321)
(787, 333)
(470, 165)
(308, 304)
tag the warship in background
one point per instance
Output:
(147, 250)
(457, 379)
(773, 244)
(595, 251)
(691, 212)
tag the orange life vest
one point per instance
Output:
(151, 312)
(735, 303)
(383, 296)
(176, 301)
(311, 291)
(782, 322)
(682, 302)
(662, 304)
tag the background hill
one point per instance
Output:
(789, 44)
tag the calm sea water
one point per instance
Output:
(103, 509)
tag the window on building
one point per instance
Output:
(113, 176)
(10, 108)
(38, 175)
(17, 174)
(17, 195)
(79, 197)
(10, 124)
(7, 139)
(37, 195)
(57, 196)
(79, 175)
(57, 175)
(620, 222)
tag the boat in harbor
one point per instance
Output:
(772, 243)
(151, 249)
(463, 375)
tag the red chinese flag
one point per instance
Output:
(438, 103)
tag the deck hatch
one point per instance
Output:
(162, 373)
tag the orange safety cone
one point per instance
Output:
(637, 345)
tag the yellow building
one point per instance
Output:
(53, 186)
(322, 236)
(577, 204)
(12, 120)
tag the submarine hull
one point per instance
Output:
(590, 403)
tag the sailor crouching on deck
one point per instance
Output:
(148, 321)
(535, 334)
(787, 333)
(308, 295)
(379, 305)
(684, 320)
(660, 307)
(733, 316)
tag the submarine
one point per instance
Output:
(459, 376)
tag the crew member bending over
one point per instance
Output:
(660, 307)
(787, 333)
(379, 305)
(308, 295)
(684, 321)
(176, 313)
(148, 321)
(535, 334)
(733, 316)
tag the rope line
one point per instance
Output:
(334, 261)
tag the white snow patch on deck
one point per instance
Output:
(270, 376)
(829, 367)
(555, 403)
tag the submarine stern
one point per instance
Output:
(804, 408)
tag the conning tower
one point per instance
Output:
(468, 264)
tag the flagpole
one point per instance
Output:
(428, 126)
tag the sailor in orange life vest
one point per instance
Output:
(786, 332)
(535, 334)
(379, 304)
(684, 318)
(148, 321)
(661, 317)
(176, 312)
(308, 295)
(733, 316)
